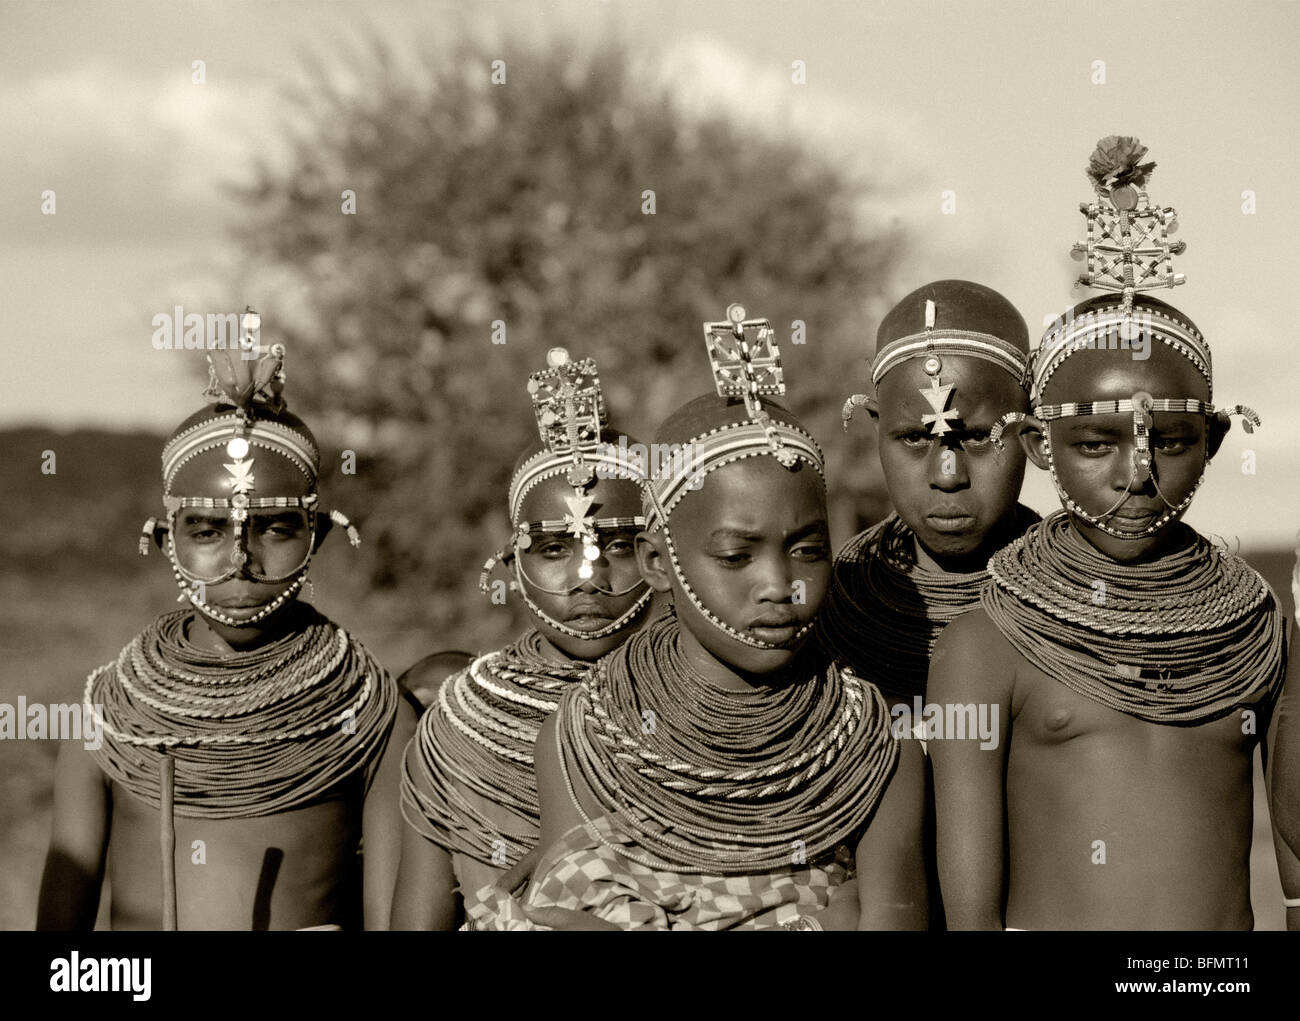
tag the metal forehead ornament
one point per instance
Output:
(939, 393)
(746, 364)
(570, 410)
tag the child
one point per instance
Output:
(1284, 777)
(715, 772)
(950, 362)
(468, 791)
(256, 740)
(1137, 663)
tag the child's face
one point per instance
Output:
(754, 544)
(275, 543)
(953, 490)
(1093, 454)
(550, 564)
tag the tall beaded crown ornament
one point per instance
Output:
(570, 409)
(211, 463)
(746, 365)
(1127, 252)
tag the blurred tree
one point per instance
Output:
(523, 203)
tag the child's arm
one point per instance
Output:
(892, 891)
(971, 664)
(74, 867)
(382, 824)
(1283, 775)
(425, 894)
(559, 813)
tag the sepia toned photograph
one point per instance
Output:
(600, 465)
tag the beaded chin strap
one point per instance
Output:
(570, 409)
(930, 345)
(1127, 251)
(247, 378)
(746, 364)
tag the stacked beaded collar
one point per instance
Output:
(746, 364)
(478, 738)
(570, 409)
(1183, 639)
(884, 611)
(249, 380)
(251, 733)
(1127, 252)
(723, 781)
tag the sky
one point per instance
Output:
(997, 103)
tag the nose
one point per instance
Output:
(946, 468)
(774, 583)
(1124, 472)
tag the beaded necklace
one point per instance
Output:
(884, 611)
(717, 781)
(1185, 638)
(251, 733)
(479, 738)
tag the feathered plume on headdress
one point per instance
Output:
(1115, 163)
(247, 374)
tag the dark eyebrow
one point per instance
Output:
(735, 533)
(198, 517)
(282, 516)
(1096, 428)
(818, 527)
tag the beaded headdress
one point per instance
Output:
(746, 364)
(570, 409)
(947, 317)
(211, 460)
(1127, 252)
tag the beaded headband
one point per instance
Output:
(249, 379)
(746, 365)
(570, 409)
(1127, 251)
(931, 344)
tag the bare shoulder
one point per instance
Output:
(972, 653)
(425, 679)
(76, 773)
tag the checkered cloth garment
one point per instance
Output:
(584, 873)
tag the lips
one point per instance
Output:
(240, 603)
(950, 518)
(1133, 518)
(775, 628)
(588, 616)
(1136, 513)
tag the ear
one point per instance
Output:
(324, 523)
(1032, 435)
(652, 559)
(1216, 429)
(160, 533)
